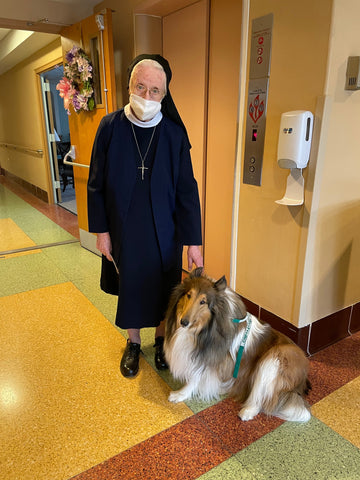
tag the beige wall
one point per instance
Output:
(332, 276)
(21, 117)
(269, 256)
(147, 34)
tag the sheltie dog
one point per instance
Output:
(206, 328)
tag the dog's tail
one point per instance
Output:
(292, 407)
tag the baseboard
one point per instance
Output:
(320, 334)
(88, 241)
(33, 189)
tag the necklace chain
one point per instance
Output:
(143, 168)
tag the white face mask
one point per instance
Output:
(144, 109)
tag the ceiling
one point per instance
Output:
(26, 27)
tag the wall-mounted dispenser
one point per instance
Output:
(353, 74)
(293, 152)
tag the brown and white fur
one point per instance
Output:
(201, 345)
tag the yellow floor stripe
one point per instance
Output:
(340, 411)
(12, 237)
(61, 393)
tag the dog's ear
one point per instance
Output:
(170, 316)
(221, 284)
(197, 272)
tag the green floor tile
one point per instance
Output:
(35, 224)
(228, 470)
(75, 261)
(28, 272)
(295, 451)
(10, 203)
(41, 229)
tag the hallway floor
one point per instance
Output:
(67, 413)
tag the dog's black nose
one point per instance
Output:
(184, 322)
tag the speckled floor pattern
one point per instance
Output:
(67, 413)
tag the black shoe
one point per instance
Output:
(160, 361)
(129, 365)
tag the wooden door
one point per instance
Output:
(94, 36)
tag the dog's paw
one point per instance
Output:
(178, 396)
(248, 413)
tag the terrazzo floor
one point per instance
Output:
(67, 413)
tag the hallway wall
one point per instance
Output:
(332, 278)
(21, 117)
(269, 254)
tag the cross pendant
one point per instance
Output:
(142, 168)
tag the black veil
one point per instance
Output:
(168, 107)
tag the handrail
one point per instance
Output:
(37, 151)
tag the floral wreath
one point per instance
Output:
(76, 86)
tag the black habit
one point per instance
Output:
(149, 220)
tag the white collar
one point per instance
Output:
(151, 123)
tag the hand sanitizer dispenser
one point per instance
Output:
(293, 152)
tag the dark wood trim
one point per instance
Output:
(33, 189)
(354, 325)
(322, 333)
(329, 330)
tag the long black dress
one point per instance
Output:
(145, 289)
(149, 220)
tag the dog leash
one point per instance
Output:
(248, 321)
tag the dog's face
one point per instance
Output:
(193, 311)
(194, 308)
(200, 306)
(194, 303)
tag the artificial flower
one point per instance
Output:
(66, 91)
(76, 87)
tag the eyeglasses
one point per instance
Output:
(153, 92)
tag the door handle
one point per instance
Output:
(71, 153)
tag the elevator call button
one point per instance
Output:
(259, 72)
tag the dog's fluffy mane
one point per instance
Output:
(224, 304)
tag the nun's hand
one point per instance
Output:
(194, 256)
(103, 244)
